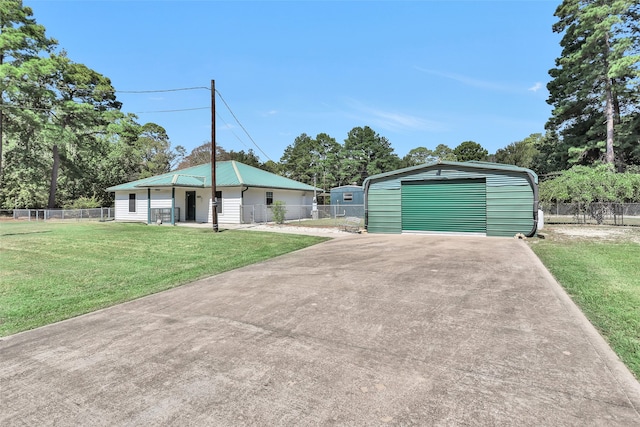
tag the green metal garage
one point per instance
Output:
(453, 197)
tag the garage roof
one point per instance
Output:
(469, 164)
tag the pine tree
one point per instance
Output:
(595, 81)
(22, 42)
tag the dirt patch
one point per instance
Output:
(595, 232)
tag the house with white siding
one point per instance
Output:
(244, 194)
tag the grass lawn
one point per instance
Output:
(54, 271)
(599, 268)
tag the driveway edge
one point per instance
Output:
(618, 369)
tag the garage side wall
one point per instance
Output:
(509, 199)
(385, 209)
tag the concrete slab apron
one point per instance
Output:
(369, 330)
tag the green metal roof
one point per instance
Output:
(228, 174)
(469, 164)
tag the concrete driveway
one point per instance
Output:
(365, 330)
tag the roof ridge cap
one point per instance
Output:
(235, 168)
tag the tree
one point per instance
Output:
(586, 185)
(595, 82)
(418, 156)
(271, 166)
(365, 153)
(552, 155)
(444, 153)
(81, 102)
(249, 158)
(312, 159)
(22, 42)
(521, 153)
(157, 156)
(469, 150)
(202, 154)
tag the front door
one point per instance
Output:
(191, 206)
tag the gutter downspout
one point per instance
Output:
(366, 204)
(242, 204)
(173, 205)
(148, 205)
(536, 201)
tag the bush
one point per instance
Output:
(83, 203)
(586, 185)
(279, 211)
(596, 189)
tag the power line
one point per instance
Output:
(163, 90)
(245, 131)
(231, 129)
(172, 111)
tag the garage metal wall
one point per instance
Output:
(509, 210)
(509, 198)
(387, 217)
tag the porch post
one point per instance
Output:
(148, 206)
(173, 205)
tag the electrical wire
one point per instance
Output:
(231, 129)
(174, 110)
(241, 126)
(163, 90)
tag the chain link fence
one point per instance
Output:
(591, 213)
(95, 214)
(322, 215)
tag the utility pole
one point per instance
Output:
(214, 199)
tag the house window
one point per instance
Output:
(269, 198)
(219, 200)
(132, 202)
(347, 197)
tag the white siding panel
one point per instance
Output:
(230, 206)
(203, 204)
(298, 204)
(232, 200)
(122, 206)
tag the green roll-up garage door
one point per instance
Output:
(457, 206)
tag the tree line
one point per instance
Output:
(64, 136)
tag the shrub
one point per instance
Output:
(83, 203)
(279, 211)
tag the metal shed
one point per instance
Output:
(347, 195)
(453, 197)
(348, 200)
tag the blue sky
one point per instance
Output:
(419, 73)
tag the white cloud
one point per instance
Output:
(392, 120)
(469, 81)
(536, 87)
(481, 84)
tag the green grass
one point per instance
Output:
(601, 276)
(50, 272)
